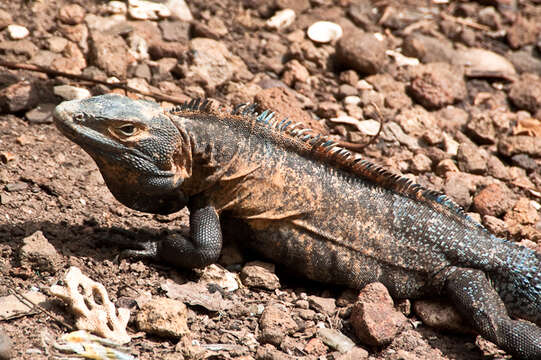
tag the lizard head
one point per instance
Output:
(140, 153)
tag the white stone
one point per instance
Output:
(117, 7)
(179, 9)
(379, 36)
(68, 92)
(352, 100)
(481, 61)
(282, 19)
(17, 32)
(364, 85)
(138, 47)
(324, 31)
(402, 60)
(146, 10)
(367, 127)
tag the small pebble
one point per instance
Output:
(282, 19)
(17, 32)
(147, 10)
(68, 92)
(352, 100)
(5, 346)
(116, 7)
(324, 31)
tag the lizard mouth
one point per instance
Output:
(100, 146)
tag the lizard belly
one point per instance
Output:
(319, 257)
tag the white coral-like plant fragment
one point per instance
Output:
(90, 303)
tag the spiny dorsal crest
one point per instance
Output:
(327, 150)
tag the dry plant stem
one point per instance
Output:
(358, 147)
(27, 302)
(36, 68)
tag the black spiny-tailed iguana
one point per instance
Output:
(309, 205)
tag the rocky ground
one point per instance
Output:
(458, 88)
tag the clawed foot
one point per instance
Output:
(147, 250)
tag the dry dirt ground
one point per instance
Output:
(453, 123)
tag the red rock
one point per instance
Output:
(276, 323)
(71, 14)
(374, 318)
(494, 200)
(438, 85)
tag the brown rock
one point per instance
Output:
(110, 53)
(327, 109)
(512, 145)
(296, 5)
(161, 49)
(175, 30)
(267, 351)
(451, 118)
(496, 226)
(494, 200)
(356, 353)
(284, 102)
(459, 187)
(522, 32)
(323, 305)
(211, 61)
(19, 47)
(481, 128)
(470, 159)
(295, 72)
(438, 85)
(523, 213)
(39, 254)
(496, 168)
(259, 274)
(276, 323)
(71, 14)
(73, 61)
(213, 29)
(428, 49)
(6, 346)
(521, 220)
(441, 315)
(421, 163)
(361, 51)
(525, 60)
(526, 93)
(20, 96)
(374, 318)
(5, 19)
(163, 317)
(42, 114)
(316, 347)
(76, 33)
(524, 161)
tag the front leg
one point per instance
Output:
(202, 249)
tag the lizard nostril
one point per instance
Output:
(78, 117)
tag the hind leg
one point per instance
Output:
(477, 300)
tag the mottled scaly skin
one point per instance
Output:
(340, 220)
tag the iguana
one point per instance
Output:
(307, 204)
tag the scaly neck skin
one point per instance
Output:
(211, 152)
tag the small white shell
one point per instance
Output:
(282, 19)
(324, 31)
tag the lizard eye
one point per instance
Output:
(127, 130)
